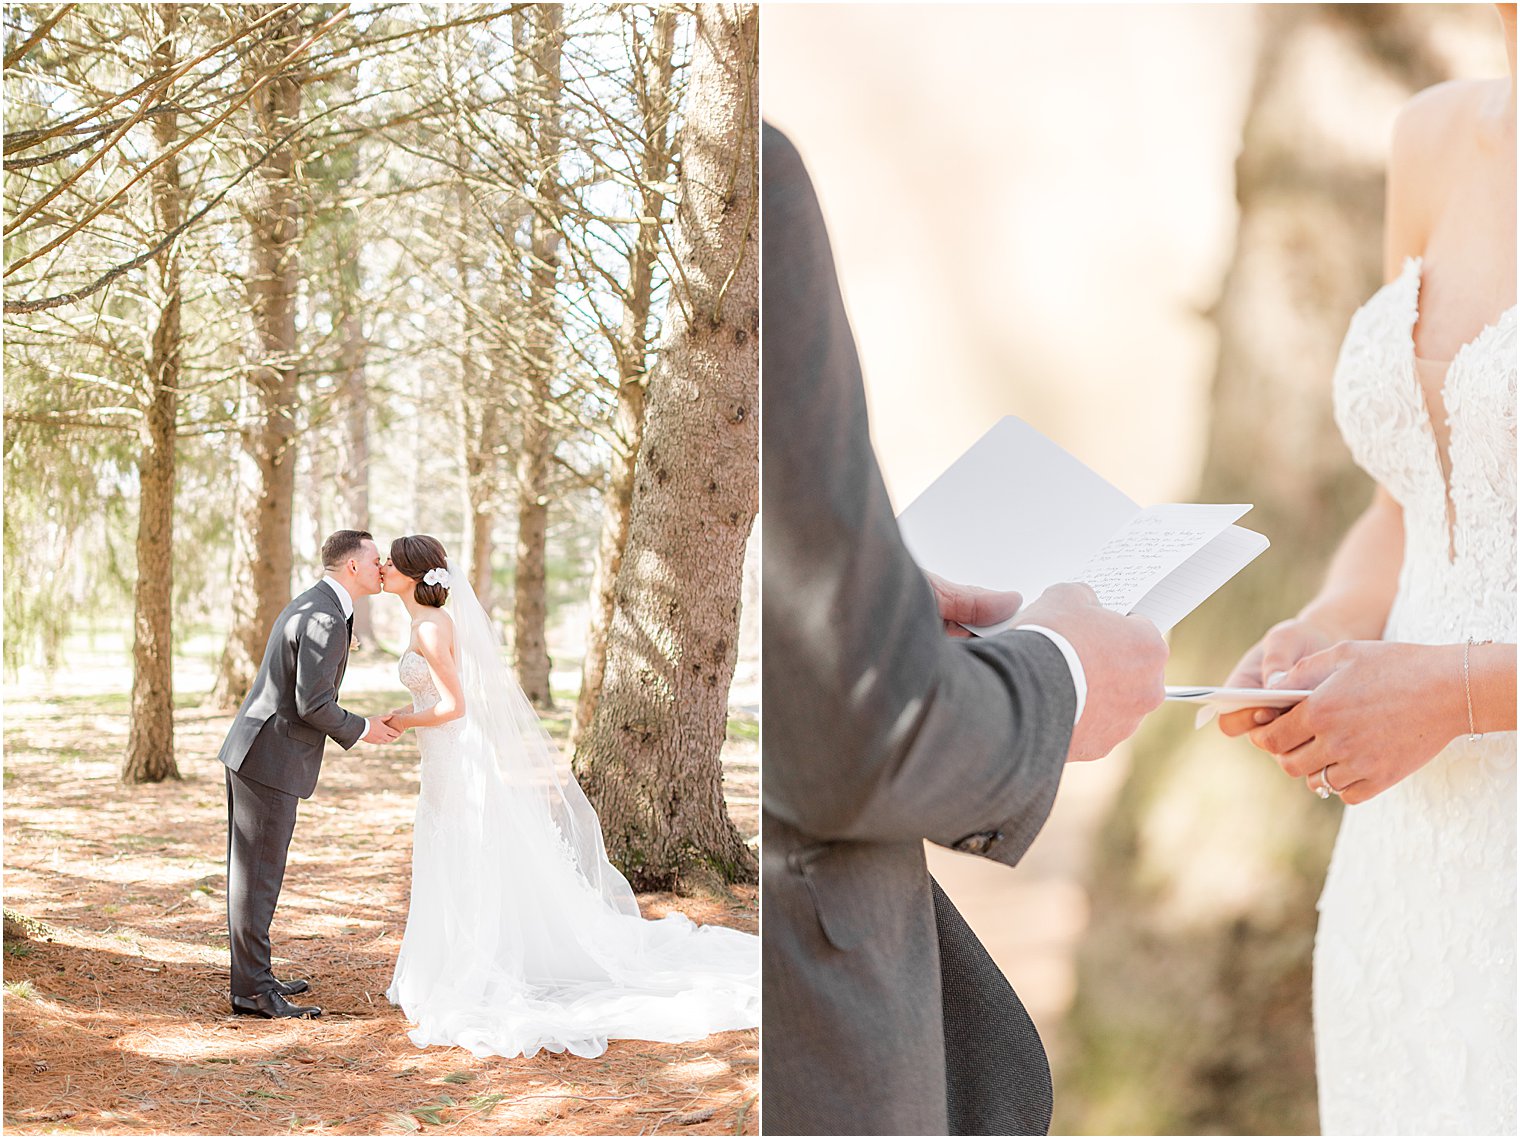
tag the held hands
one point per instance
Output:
(382, 730)
(1380, 711)
(1268, 661)
(1123, 659)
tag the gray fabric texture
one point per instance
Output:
(983, 1015)
(279, 734)
(260, 821)
(880, 732)
(273, 755)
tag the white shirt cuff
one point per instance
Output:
(1073, 662)
(366, 727)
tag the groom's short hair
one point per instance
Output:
(342, 545)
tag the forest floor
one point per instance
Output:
(116, 1018)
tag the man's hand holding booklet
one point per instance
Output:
(1017, 512)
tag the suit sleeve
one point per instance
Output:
(319, 654)
(877, 726)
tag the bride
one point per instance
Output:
(521, 935)
(1410, 650)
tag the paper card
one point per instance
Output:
(1014, 512)
(1217, 701)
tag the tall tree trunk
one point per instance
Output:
(483, 429)
(266, 468)
(353, 471)
(482, 395)
(651, 760)
(150, 739)
(1192, 1013)
(633, 362)
(530, 603)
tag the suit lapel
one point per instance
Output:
(329, 601)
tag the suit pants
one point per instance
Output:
(260, 821)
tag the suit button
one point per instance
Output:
(979, 843)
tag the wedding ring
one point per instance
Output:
(1322, 791)
(1324, 777)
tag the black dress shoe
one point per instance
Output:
(272, 1005)
(290, 988)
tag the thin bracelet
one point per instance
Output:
(1472, 730)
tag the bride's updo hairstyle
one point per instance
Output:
(417, 554)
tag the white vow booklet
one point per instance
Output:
(1018, 512)
(1234, 699)
(1218, 701)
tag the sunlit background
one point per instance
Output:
(1038, 210)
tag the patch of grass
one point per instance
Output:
(42, 751)
(746, 730)
(100, 703)
(143, 840)
(22, 989)
(485, 1102)
(432, 1113)
(557, 724)
(19, 949)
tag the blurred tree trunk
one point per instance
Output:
(262, 554)
(650, 761)
(1192, 1013)
(483, 435)
(656, 106)
(541, 27)
(150, 740)
(353, 403)
(482, 404)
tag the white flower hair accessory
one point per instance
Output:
(436, 576)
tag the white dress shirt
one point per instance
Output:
(1073, 662)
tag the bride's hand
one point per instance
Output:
(1379, 712)
(1285, 644)
(396, 717)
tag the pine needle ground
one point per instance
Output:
(116, 1018)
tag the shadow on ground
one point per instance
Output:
(119, 1022)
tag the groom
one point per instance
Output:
(883, 1013)
(273, 754)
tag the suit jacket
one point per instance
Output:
(279, 734)
(883, 1014)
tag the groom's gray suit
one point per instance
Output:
(273, 754)
(883, 1013)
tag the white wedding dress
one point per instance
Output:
(1414, 963)
(521, 935)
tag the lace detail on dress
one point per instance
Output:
(417, 677)
(1414, 979)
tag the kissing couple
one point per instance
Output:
(521, 935)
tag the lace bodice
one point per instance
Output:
(418, 678)
(1414, 978)
(1382, 413)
